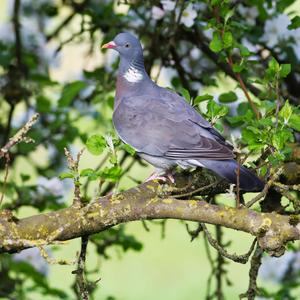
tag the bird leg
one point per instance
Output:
(157, 176)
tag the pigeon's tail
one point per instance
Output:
(227, 169)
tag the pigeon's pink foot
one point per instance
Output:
(157, 176)
(171, 177)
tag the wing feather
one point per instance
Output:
(169, 127)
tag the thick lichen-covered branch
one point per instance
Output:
(147, 201)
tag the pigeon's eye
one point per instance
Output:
(127, 45)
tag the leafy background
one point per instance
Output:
(60, 72)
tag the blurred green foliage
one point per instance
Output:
(226, 37)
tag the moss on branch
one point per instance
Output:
(139, 203)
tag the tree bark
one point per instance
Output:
(146, 201)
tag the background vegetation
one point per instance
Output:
(237, 62)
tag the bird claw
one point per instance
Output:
(156, 176)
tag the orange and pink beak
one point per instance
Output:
(110, 45)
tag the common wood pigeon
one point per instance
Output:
(162, 127)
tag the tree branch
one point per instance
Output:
(146, 201)
(19, 136)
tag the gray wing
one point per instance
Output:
(165, 125)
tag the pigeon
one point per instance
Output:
(163, 128)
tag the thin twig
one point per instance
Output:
(5, 177)
(73, 166)
(260, 197)
(18, 41)
(236, 258)
(253, 273)
(194, 233)
(203, 188)
(80, 280)
(238, 172)
(220, 271)
(19, 136)
(53, 261)
(8, 126)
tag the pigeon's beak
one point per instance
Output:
(110, 45)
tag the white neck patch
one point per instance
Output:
(133, 75)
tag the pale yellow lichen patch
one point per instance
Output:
(116, 199)
(167, 201)
(93, 215)
(151, 187)
(192, 203)
(267, 222)
(102, 213)
(127, 209)
(152, 200)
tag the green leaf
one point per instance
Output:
(96, 144)
(219, 126)
(251, 138)
(66, 175)
(25, 177)
(186, 94)
(70, 91)
(278, 140)
(286, 112)
(276, 158)
(216, 111)
(238, 68)
(43, 104)
(215, 2)
(229, 14)
(86, 172)
(295, 23)
(216, 44)
(274, 65)
(202, 98)
(90, 173)
(128, 149)
(112, 174)
(294, 122)
(228, 97)
(285, 69)
(244, 50)
(227, 39)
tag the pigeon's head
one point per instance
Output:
(127, 45)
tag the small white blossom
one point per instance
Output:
(110, 143)
(33, 257)
(188, 16)
(52, 186)
(186, 64)
(157, 13)
(195, 53)
(275, 30)
(200, 6)
(208, 33)
(168, 5)
(296, 42)
(249, 13)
